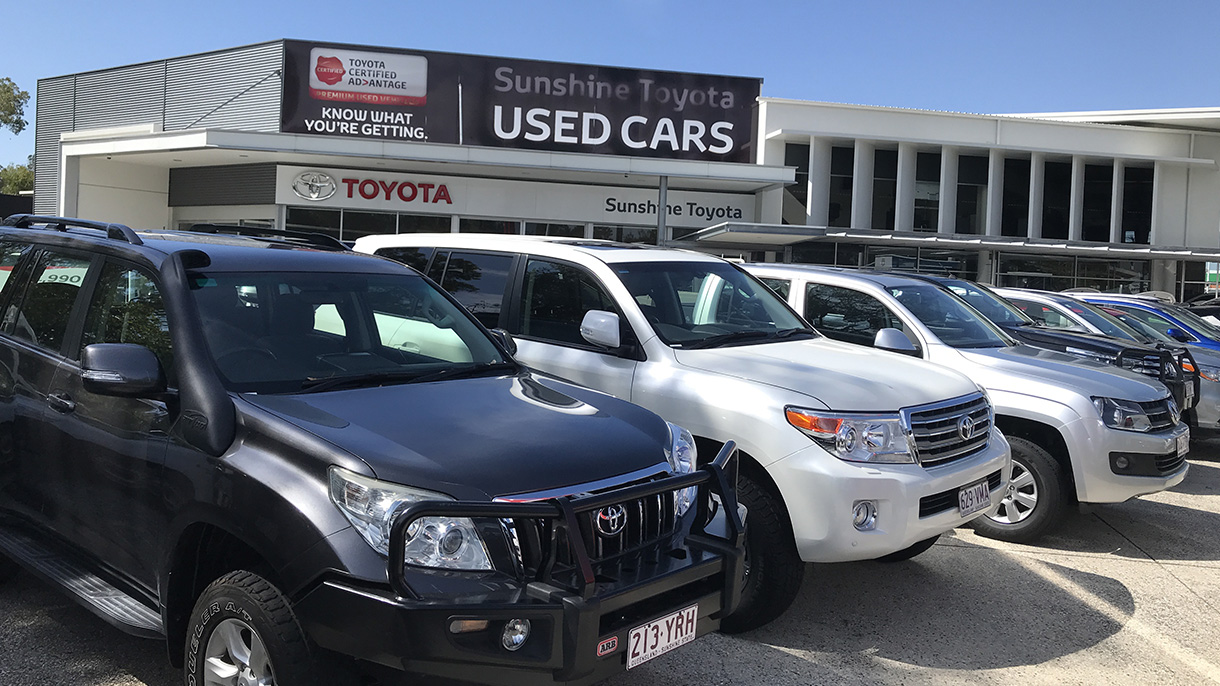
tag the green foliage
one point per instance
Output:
(12, 106)
(15, 178)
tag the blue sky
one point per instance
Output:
(960, 55)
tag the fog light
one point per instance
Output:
(464, 626)
(1122, 462)
(864, 515)
(516, 631)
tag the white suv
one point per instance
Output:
(847, 453)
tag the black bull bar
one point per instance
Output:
(718, 476)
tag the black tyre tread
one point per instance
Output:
(782, 575)
(8, 569)
(1052, 498)
(917, 548)
(296, 667)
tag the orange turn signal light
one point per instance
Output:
(819, 426)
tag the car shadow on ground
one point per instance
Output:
(1202, 479)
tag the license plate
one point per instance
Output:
(1184, 443)
(973, 497)
(662, 635)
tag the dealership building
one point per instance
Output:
(353, 140)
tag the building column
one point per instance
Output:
(1076, 204)
(69, 185)
(862, 185)
(1037, 185)
(946, 215)
(817, 203)
(769, 204)
(995, 192)
(1116, 202)
(904, 203)
(1158, 176)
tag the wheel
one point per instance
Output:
(243, 631)
(773, 567)
(1034, 501)
(910, 551)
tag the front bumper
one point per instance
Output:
(580, 614)
(1092, 445)
(820, 491)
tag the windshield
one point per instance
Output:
(1108, 325)
(1193, 320)
(708, 304)
(281, 332)
(1149, 333)
(993, 307)
(954, 322)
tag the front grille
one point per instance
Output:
(1169, 463)
(1148, 365)
(937, 430)
(947, 500)
(1145, 464)
(645, 522)
(1158, 413)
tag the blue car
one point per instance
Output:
(1173, 320)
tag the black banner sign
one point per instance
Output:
(381, 93)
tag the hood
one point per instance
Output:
(480, 438)
(1015, 367)
(1060, 339)
(842, 376)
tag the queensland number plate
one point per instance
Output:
(662, 635)
(973, 497)
(1184, 443)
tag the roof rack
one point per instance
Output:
(312, 239)
(118, 232)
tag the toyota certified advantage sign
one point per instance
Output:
(381, 93)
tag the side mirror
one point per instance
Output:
(601, 328)
(121, 369)
(1178, 335)
(505, 339)
(895, 341)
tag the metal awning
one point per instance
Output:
(769, 236)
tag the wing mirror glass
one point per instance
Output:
(121, 369)
(895, 341)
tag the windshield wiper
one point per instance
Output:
(326, 383)
(465, 371)
(721, 339)
(789, 333)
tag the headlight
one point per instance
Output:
(854, 438)
(1122, 414)
(371, 506)
(1209, 373)
(682, 456)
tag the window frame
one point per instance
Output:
(627, 333)
(154, 278)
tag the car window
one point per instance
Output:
(127, 308)
(415, 258)
(1044, 314)
(478, 280)
(949, 318)
(555, 298)
(43, 314)
(1151, 319)
(993, 307)
(782, 287)
(11, 253)
(848, 315)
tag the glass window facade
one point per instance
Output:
(885, 188)
(796, 194)
(842, 163)
(1056, 200)
(1137, 205)
(1014, 217)
(971, 194)
(1095, 220)
(927, 191)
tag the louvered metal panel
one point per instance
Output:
(53, 117)
(245, 184)
(120, 97)
(231, 89)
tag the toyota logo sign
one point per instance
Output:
(611, 520)
(965, 427)
(314, 186)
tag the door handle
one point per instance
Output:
(61, 402)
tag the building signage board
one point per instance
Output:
(402, 95)
(499, 198)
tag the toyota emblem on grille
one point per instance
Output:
(312, 185)
(965, 427)
(611, 520)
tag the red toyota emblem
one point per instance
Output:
(607, 646)
(329, 70)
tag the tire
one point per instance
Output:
(772, 579)
(235, 615)
(910, 551)
(8, 568)
(1035, 500)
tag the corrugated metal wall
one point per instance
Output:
(228, 89)
(244, 184)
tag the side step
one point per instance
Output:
(84, 586)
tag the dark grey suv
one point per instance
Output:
(295, 464)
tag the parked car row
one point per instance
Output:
(548, 461)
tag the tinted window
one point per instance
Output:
(415, 258)
(43, 314)
(10, 255)
(477, 281)
(781, 286)
(992, 306)
(127, 308)
(949, 318)
(555, 298)
(1044, 314)
(848, 315)
(1150, 319)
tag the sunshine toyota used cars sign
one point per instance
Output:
(382, 93)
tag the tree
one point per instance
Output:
(16, 178)
(12, 106)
